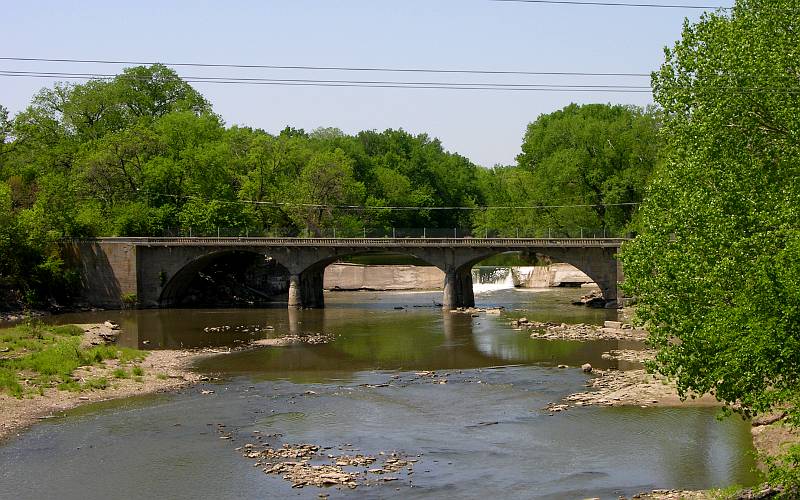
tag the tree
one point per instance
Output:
(716, 268)
(596, 154)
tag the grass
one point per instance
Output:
(137, 371)
(34, 356)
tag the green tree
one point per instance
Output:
(716, 268)
(596, 154)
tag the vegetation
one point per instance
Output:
(35, 356)
(144, 154)
(716, 267)
(598, 157)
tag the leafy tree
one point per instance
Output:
(154, 91)
(596, 154)
(716, 268)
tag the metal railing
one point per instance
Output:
(373, 243)
(393, 233)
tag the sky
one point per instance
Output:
(485, 126)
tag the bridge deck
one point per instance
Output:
(377, 242)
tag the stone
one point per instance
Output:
(586, 367)
(563, 366)
(612, 324)
(522, 321)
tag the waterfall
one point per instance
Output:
(489, 278)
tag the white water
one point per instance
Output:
(500, 279)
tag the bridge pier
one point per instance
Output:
(458, 289)
(305, 290)
(295, 298)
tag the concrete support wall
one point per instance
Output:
(107, 270)
(382, 277)
(557, 274)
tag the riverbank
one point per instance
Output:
(154, 372)
(638, 388)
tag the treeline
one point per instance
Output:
(144, 154)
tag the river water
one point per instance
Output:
(483, 433)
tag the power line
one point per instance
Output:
(324, 68)
(391, 208)
(394, 84)
(307, 80)
(358, 84)
(618, 4)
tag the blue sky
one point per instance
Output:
(487, 127)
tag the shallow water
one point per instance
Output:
(482, 433)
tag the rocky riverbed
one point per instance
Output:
(611, 330)
(315, 465)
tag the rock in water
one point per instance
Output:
(587, 368)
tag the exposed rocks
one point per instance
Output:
(477, 311)
(305, 464)
(591, 299)
(313, 339)
(99, 334)
(746, 494)
(632, 388)
(587, 368)
(580, 331)
(629, 355)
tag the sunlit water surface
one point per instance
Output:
(483, 433)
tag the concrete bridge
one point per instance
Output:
(156, 272)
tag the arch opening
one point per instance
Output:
(547, 269)
(230, 278)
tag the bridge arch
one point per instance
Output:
(249, 276)
(306, 285)
(602, 269)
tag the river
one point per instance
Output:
(482, 433)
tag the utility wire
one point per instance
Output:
(323, 68)
(392, 208)
(389, 85)
(618, 4)
(544, 87)
(210, 79)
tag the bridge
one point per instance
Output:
(156, 272)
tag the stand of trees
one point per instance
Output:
(143, 154)
(583, 167)
(716, 267)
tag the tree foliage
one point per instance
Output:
(143, 154)
(597, 155)
(716, 268)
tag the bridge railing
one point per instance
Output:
(391, 232)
